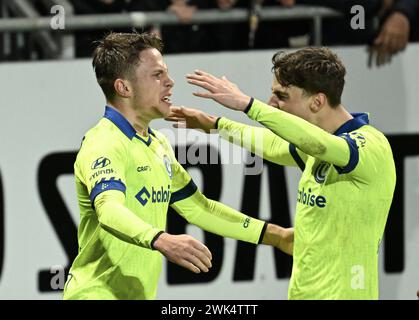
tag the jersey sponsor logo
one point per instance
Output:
(143, 168)
(168, 165)
(157, 195)
(311, 200)
(100, 172)
(246, 223)
(100, 163)
(143, 195)
(321, 172)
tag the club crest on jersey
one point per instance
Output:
(168, 165)
(321, 172)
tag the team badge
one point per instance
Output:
(321, 172)
(168, 165)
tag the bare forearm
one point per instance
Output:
(279, 237)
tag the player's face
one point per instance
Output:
(152, 86)
(290, 99)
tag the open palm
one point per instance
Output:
(191, 119)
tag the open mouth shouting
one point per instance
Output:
(166, 99)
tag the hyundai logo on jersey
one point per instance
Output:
(321, 172)
(157, 196)
(101, 162)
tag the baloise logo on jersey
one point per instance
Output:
(309, 199)
(157, 196)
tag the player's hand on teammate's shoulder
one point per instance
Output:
(185, 251)
(220, 90)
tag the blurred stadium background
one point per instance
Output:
(49, 99)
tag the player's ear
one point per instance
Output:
(122, 88)
(318, 101)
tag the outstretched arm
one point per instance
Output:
(307, 137)
(258, 140)
(220, 219)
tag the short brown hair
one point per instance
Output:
(312, 69)
(116, 56)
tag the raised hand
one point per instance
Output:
(393, 38)
(287, 3)
(185, 251)
(183, 11)
(219, 89)
(191, 118)
(394, 34)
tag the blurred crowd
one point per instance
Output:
(190, 37)
(389, 25)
